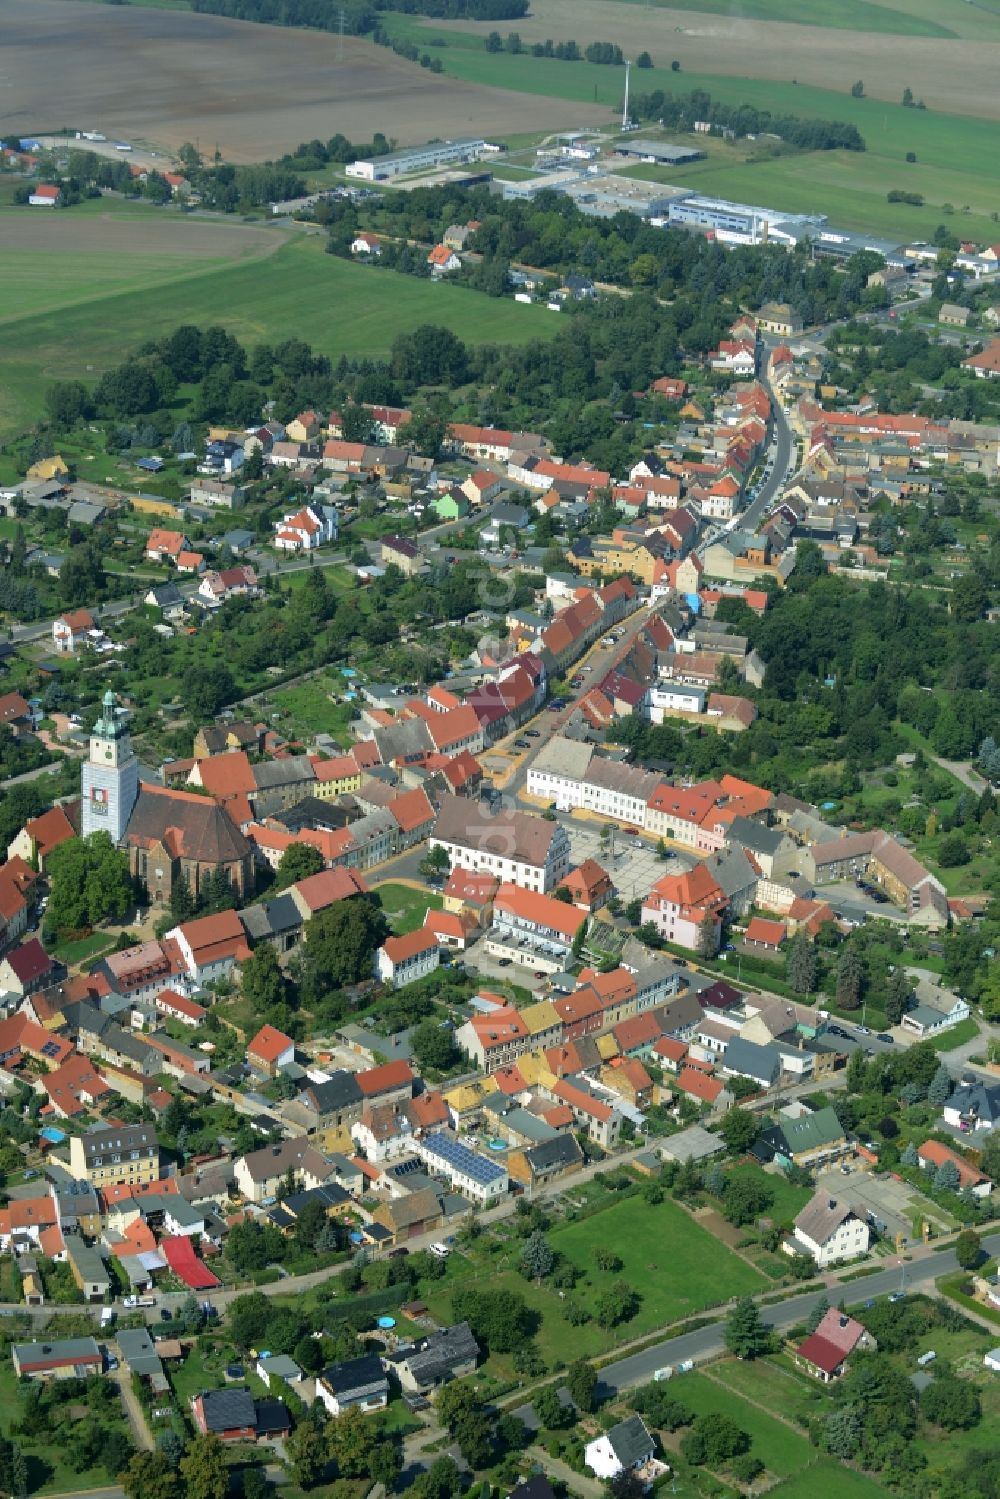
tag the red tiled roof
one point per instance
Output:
(772, 933)
(398, 949)
(384, 1078)
(541, 909)
(269, 1043)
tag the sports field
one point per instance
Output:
(74, 317)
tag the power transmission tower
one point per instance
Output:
(340, 43)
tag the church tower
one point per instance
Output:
(110, 775)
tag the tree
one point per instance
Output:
(953, 850)
(850, 973)
(581, 1381)
(204, 1469)
(644, 60)
(858, 90)
(68, 402)
(385, 1465)
(550, 1410)
(308, 1453)
(746, 1335)
(842, 1432)
(947, 1177)
(951, 1403)
(298, 862)
(340, 944)
(968, 1248)
(208, 689)
(939, 1089)
(434, 1045)
(500, 1319)
(254, 1483)
(745, 1198)
(817, 1314)
(435, 864)
(898, 994)
(801, 963)
(494, 42)
(537, 1259)
(910, 1156)
(619, 1303)
(149, 1475)
(90, 883)
(907, 100)
(262, 982)
(739, 1128)
(708, 936)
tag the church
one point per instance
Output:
(166, 833)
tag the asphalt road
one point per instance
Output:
(638, 1368)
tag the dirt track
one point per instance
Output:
(167, 77)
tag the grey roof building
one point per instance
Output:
(447, 1354)
(747, 1059)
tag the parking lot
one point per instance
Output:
(894, 1204)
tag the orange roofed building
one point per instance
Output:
(679, 906)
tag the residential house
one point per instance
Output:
(830, 1230)
(259, 1173)
(973, 1107)
(825, 1352)
(270, 1051)
(117, 1153)
(307, 529)
(624, 1448)
(70, 631)
(443, 261)
(687, 908)
(403, 960)
(358, 1383)
(533, 929)
(936, 1010)
(433, 1361)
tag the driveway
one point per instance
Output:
(136, 1416)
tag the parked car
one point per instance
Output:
(503, 962)
(532, 734)
(884, 1037)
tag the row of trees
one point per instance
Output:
(682, 111)
(360, 16)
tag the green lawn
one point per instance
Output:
(959, 1035)
(678, 1266)
(773, 1382)
(338, 307)
(406, 908)
(310, 708)
(86, 948)
(783, 1450)
(826, 1479)
(788, 1200)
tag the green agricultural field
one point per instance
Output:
(298, 291)
(941, 18)
(956, 165)
(405, 908)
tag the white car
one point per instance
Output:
(439, 1250)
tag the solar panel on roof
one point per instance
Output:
(51, 1049)
(465, 1160)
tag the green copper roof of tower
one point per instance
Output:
(111, 724)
